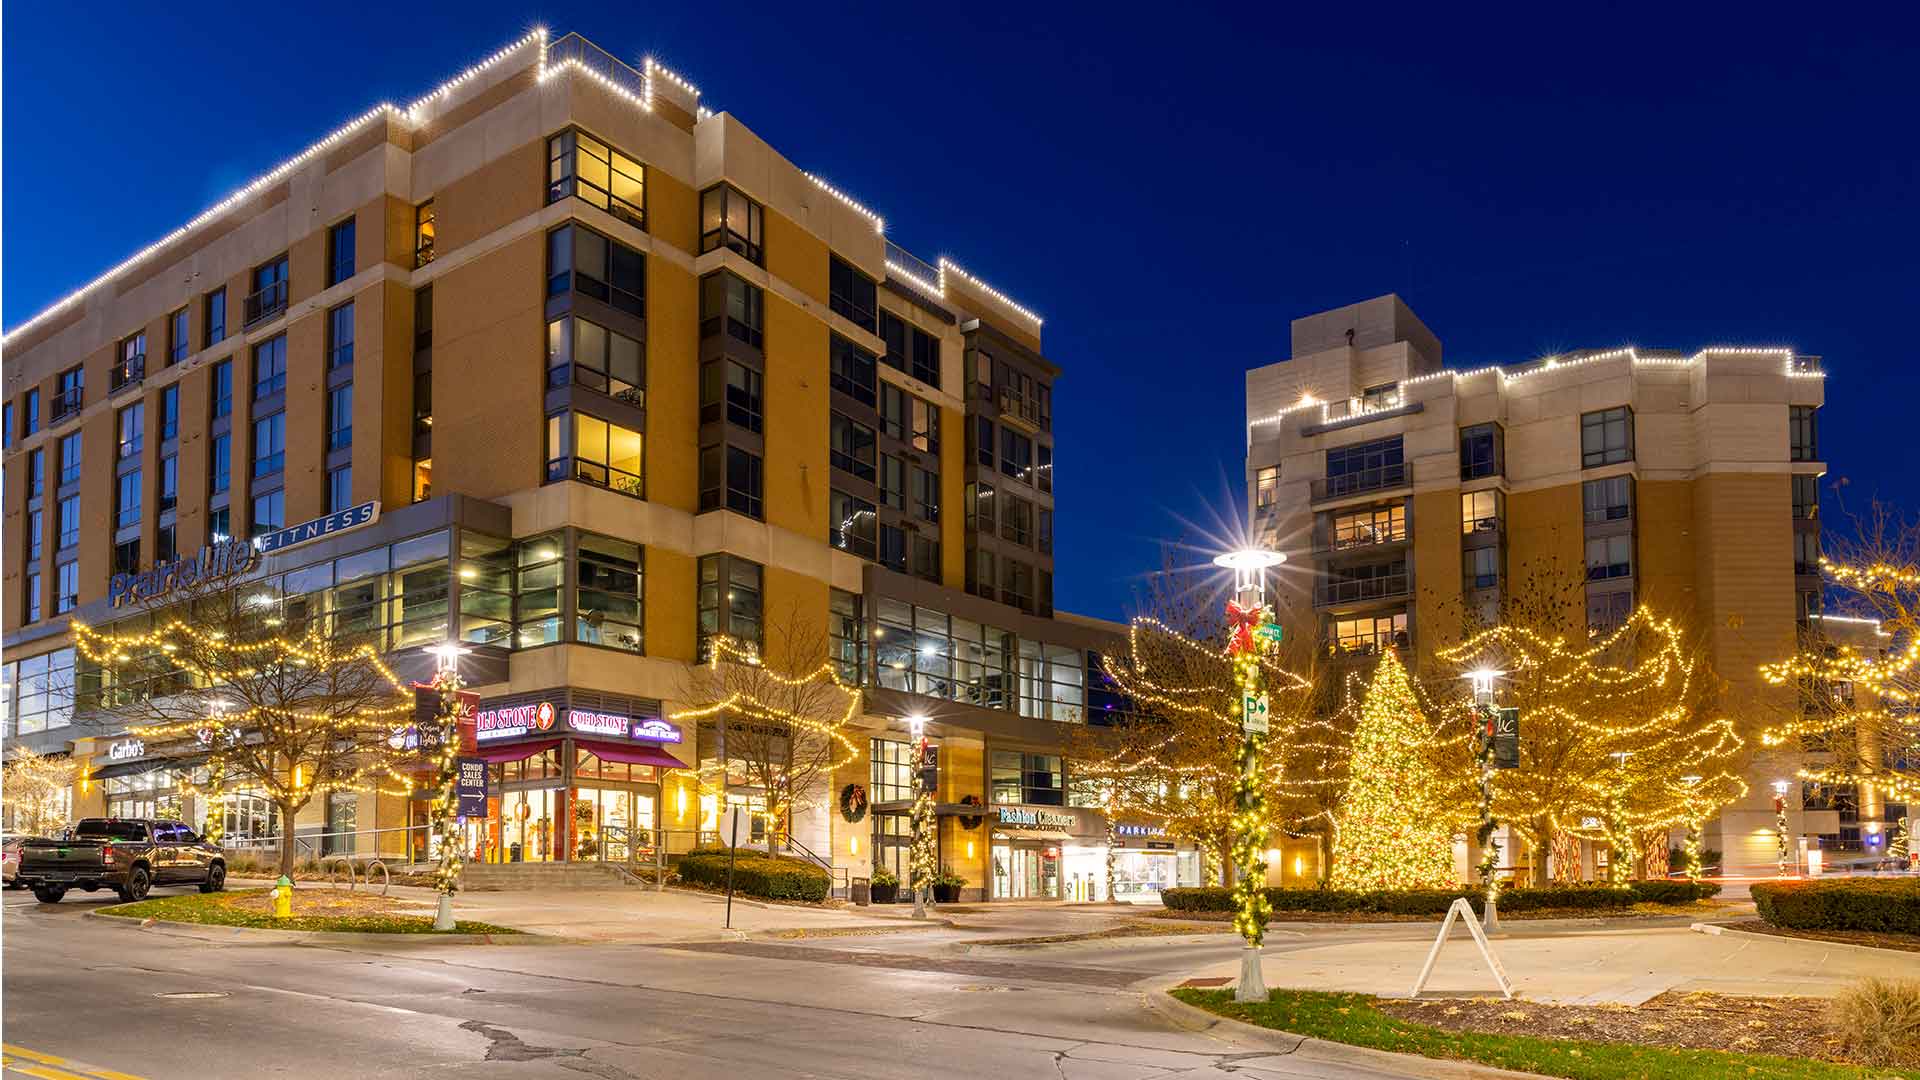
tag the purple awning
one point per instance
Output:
(630, 754)
(494, 755)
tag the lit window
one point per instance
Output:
(587, 169)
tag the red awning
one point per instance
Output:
(630, 753)
(494, 755)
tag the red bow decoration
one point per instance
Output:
(1244, 621)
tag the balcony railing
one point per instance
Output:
(1369, 644)
(267, 302)
(1359, 483)
(1353, 536)
(912, 268)
(1384, 587)
(127, 372)
(67, 402)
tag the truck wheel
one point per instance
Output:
(138, 882)
(216, 878)
(49, 894)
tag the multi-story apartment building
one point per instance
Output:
(1416, 492)
(561, 365)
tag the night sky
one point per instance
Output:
(1168, 186)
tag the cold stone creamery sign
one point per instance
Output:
(215, 561)
(512, 721)
(597, 723)
(1021, 817)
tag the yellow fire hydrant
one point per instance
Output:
(283, 898)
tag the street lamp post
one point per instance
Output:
(446, 679)
(1253, 633)
(1780, 821)
(1483, 704)
(920, 818)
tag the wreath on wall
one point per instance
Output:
(853, 802)
(971, 821)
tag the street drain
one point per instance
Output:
(191, 995)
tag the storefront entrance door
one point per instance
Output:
(1025, 871)
(530, 818)
(612, 824)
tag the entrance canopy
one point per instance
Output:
(1034, 834)
(630, 753)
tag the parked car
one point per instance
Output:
(10, 861)
(127, 855)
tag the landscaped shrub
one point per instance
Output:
(1878, 1021)
(1435, 902)
(1673, 890)
(1885, 906)
(755, 873)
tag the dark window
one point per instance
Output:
(1806, 497)
(339, 489)
(1481, 451)
(588, 263)
(423, 230)
(30, 413)
(729, 600)
(730, 220)
(853, 371)
(179, 337)
(587, 169)
(1806, 552)
(269, 445)
(1018, 777)
(269, 295)
(910, 349)
(851, 447)
(1365, 466)
(340, 253)
(593, 356)
(340, 336)
(423, 318)
(71, 392)
(1481, 567)
(69, 459)
(126, 556)
(850, 293)
(170, 413)
(1016, 520)
(220, 463)
(983, 441)
(730, 391)
(981, 511)
(926, 494)
(216, 312)
(220, 524)
(169, 483)
(1016, 455)
(730, 478)
(133, 430)
(166, 544)
(66, 521)
(340, 417)
(269, 512)
(587, 448)
(1610, 499)
(36, 472)
(850, 524)
(221, 382)
(893, 482)
(1016, 584)
(1046, 531)
(1803, 431)
(126, 503)
(893, 411)
(1043, 471)
(891, 550)
(1608, 611)
(1606, 437)
(270, 368)
(732, 306)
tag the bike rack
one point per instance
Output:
(330, 866)
(386, 879)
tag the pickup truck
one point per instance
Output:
(127, 855)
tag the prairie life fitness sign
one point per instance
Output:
(231, 558)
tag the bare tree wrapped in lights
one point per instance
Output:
(37, 791)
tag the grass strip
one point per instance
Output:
(1352, 1019)
(207, 909)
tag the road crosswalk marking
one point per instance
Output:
(43, 1066)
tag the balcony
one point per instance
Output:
(267, 302)
(1353, 647)
(1357, 536)
(66, 403)
(1381, 478)
(127, 373)
(1360, 590)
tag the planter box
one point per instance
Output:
(885, 894)
(947, 894)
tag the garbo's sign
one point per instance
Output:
(215, 561)
(126, 750)
(1023, 817)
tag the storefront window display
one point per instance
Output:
(1026, 870)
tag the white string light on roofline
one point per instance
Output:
(670, 75)
(879, 224)
(948, 266)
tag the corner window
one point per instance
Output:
(607, 593)
(1606, 437)
(1482, 567)
(1016, 455)
(1803, 433)
(851, 294)
(1610, 499)
(851, 449)
(590, 355)
(1266, 488)
(730, 391)
(589, 449)
(423, 234)
(340, 253)
(850, 524)
(729, 600)
(730, 478)
(583, 261)
(1609, 557)
(981, 512)
(1806, 552)
(732, 306)
(1482, 451)
(340, 337)
(853, 373)
(1479, 512)
(1806, 497)
(582, 166)
(730, 220)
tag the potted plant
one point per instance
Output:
(946, 887)
(885, 887)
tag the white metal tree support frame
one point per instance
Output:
(1464, 911)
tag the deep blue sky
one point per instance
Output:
(1168, 186)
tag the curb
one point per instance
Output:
(1305, 1048)
(1870, 950)
(216, 932)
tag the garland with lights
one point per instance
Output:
(444, 745)
(923, 856)
(1395, 830)
(1253, 632)
(1483, 757)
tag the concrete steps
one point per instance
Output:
(493, 877)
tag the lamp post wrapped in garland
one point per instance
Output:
(444, 744)
(1253, 632)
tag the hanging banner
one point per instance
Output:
(1506, 739)
(470, 786)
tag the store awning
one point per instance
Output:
(494, 755)
(140, 768)
(1033, 834)
(630, 754)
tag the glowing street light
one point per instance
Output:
(1253, 633)
(1249, 566)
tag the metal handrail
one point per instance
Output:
(837, 874)
(266, 302)
(1378, 478)
(1375, 588)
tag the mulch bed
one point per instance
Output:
(1791, 1027)
(1899, 942)
(325, 902)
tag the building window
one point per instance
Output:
(981, 513)
(730, 391)
(36, 537)
(340, 253)
(1370, 634)
(1609, 557)
(853, 371)
(607, 593)
(1806, 497)
(1482, 451)
(1378, 525)
(1606, 437)
(169, 483)
(1608, 611)
(583, 261)
(893, 768)
(926, 494)
(982, 376)
(850, 524)
(1266, 489)
(422, 479)
(216, 318)
(980, 442)
(730, 305)
(66, 587)
(340, 417)
(893, 482)
(220, 524)
(269, 296)
(339, 489)
(1365, 466)
(170, 413)
(1803, 433)
(269, 445)
(1016, 520)
(1016, 584)
(851, 294)
(179, 337)
(1482, 567)
(587, 169)
(1806, 552)
(269, 512)
(1610, 499)
(893, 549)
(132, 365)
(221, 380)
(340, 337)
(69, 459)
(893, 411)
(219, 463)
(851, 447)
(423, 234)
(1479, 512)
(597, 358)
(926, 558)
(587, 448)
(910, 349)
(729, 600)
(126, 556)
(270, 368)
(166, 545)
(36, 472)
(30, 412)
(70, 392)
(1016, 455)
(980, 573)
(923, 426)
(31, 597)
(730, 220)
(1043, 469)
(730, 478)
(847, 637)
(67, 522)
(1035, 779)
(133, 430)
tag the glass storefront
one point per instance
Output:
(1026, 869)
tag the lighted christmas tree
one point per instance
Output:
(1395, 829)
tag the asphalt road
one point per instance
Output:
(94, 998)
